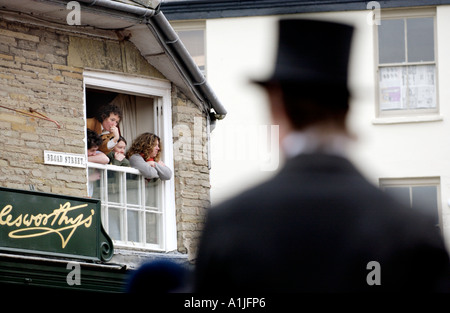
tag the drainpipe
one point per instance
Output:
(158, 23)
(161, 26)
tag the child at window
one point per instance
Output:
(117, 155)
(94, 141)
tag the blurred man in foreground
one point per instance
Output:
(318, 225)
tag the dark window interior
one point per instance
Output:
(96, 98)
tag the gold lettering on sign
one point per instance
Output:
(44, 224)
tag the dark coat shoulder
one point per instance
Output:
(315, 227)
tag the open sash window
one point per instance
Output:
(136, 212)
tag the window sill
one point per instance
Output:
(407, 119)
(136, 246)
(116, 168)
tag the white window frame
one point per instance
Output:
(122, 205)
(416, 182)
(414, 115)
(193, 25)
(160, 91)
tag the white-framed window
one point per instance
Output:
(136, 213)
(132, 207)
(407, 63)
(193, 36)
(418, 193)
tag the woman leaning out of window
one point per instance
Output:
(144, 155)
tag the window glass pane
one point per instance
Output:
(407, 87)
(94, 183)
(391, 41)
(114, 223)
(194, 41)
(132, 189)
(152, 228)
(424, 198)
(421, 90)
(133, 225)
(151, 194)
(420, 39)
(393, 88)
(113, 186)
(401, 194)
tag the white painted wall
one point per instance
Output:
(238, 49)
(241, 48)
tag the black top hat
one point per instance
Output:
(312, 53)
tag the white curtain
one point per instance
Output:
(129, 116)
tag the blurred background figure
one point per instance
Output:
(160, 276)
(318, 225)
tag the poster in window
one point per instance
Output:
(421, 91)
(408, 87)
(391, 88)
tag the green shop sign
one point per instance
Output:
(50, 224)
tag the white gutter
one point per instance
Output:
(119, 6)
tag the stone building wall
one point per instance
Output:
(34, 74)
(42, 68)
(192, 180)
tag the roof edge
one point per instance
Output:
(212, 9)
